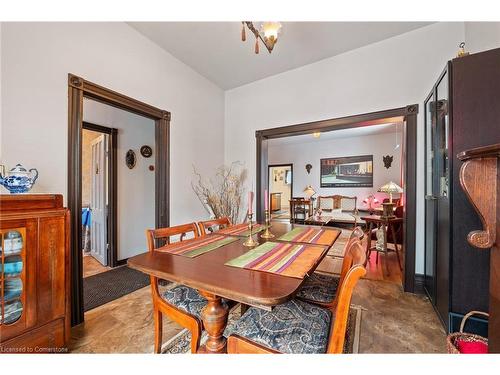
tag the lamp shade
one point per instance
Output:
(309, 191)
(391, 187)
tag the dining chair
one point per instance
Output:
(181, 303)
(298, 327)
(209, 226)
(321, 289)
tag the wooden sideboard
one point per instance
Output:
(480, 179)
(34, 274)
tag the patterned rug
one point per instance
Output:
(110, 285)
(181, 343)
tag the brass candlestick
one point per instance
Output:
(250, 242)
(267, 233)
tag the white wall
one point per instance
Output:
(389, 74)
(481, 36)
(36, 59)
(311, 152)
(135, 187)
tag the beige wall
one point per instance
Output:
(87, 137)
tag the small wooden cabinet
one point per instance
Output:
(275, 202)
(34, 274)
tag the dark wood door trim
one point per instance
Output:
(78, 88)
(112, 189)
(407, 114)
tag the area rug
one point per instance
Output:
(110, 285)
(181, 343)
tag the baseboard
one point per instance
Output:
(121, 262)
(419, 284)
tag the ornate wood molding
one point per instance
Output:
(78, 88)
(411, 109)
(116, 99)
(75, 81)
(407, 113)
(479, 179)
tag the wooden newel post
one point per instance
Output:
(479, 177)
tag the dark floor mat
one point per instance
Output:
(110, 285)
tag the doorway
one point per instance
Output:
(280, 190)
(405, 115)
(98, 179)
(78, 89)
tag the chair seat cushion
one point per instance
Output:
(319, 288)
(186, 299)
(295, 327)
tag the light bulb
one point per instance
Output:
(271, 30)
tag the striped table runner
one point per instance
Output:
(197, 246)
(312, 235)
(241, 230)
(287, 259)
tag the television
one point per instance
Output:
(349, 171)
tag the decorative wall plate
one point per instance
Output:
(130, 159)
(146, 151)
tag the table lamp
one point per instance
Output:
(388, 207)
(309, 191)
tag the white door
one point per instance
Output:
(98, 194)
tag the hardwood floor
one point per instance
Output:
(378, 271)
(92, 267)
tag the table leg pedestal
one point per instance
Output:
(214, 316)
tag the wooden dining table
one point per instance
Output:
(214, 280)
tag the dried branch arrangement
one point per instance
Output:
(222, 195)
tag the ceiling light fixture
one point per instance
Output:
(268, 34)
(316, 134)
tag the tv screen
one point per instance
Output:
(350, 171)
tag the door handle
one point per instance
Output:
(430, 197)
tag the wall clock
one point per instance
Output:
(130, 159)
(146, 151)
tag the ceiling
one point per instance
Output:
(215, 49)
(394, 128)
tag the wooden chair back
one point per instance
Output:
(164, 234)
(349, 204)
(207, 226)
(346, 287)
(162, 237)
(334, 202)
(325, 203)
(356, 236)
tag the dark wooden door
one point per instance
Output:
(430, 199)
(442, 171)
(476, 123)
(437, 198)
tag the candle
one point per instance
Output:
(266, 200)
(250, 202)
